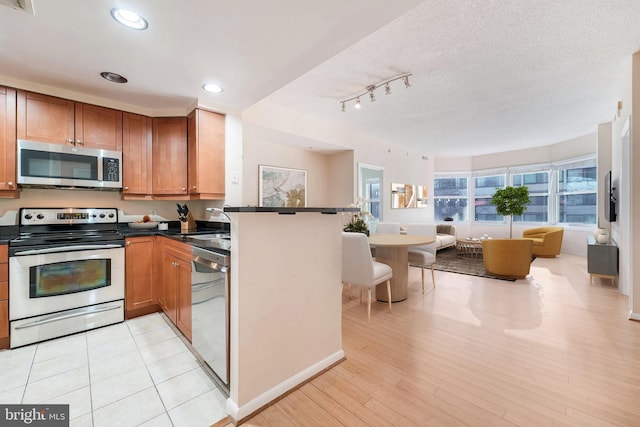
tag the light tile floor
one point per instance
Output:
(136, 373)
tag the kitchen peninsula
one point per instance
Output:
(285, 324)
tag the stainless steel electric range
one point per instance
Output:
(67, 273)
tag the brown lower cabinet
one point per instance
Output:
(4, 297)
(175, 286)
(140, 277)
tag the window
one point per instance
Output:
(577, 195)
(451, 198)
(560, 193)
(373, 195)
(538, 184)
(484, 188)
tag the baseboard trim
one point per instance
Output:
(634, 316)
(130, 314)
(240, 414)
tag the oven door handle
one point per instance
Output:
(67, 315)
(66, 249)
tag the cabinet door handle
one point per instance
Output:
(128, 243)
(10, 183)
(70, 141)
(126, 188)
(194, 187)
(184, 188)
(79, 141)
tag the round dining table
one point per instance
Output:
(393, 250)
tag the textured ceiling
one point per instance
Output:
(251, 48)
(488, 75)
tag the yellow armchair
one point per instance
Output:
(507, 257)
(547, 241)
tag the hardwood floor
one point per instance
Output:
(549, 350)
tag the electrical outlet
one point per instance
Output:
(153, 212)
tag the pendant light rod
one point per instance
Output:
(369, 89)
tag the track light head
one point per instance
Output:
(372, 96)
(358, 105)
(406, 82)
(387, 89)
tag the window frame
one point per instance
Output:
(575, 164)
(451, 175)
(487, 174)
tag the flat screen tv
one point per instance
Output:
(609, 199)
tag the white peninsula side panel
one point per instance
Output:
(285, 303)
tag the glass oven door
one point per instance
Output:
(49, 282)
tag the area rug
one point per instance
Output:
(447, 260)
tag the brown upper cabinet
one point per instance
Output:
(206, 155)
(170, 158)
(8, 186)
(137, 157)
(44, 118)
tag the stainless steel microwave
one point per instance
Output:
(55, 165)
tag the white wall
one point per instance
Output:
(99, 199)
(233, 161)
(399, 165)
(262, 152)
(286, 304)
(631, 209)
(573, 148)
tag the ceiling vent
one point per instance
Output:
(24, 5)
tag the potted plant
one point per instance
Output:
(511, 201)
(357, 223)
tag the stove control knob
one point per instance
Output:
(28, 216)
(94, 215)
(40, 216)
(101, 215)
(111, 215)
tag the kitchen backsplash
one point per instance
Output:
(129, 210)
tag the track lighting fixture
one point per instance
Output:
(371, 90)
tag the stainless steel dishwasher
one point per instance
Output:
(210, 309)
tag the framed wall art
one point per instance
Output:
(408, 196)
(282, 187)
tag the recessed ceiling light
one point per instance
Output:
(129, 19)
(113, 77)
(212, 88)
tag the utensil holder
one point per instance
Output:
(188, 225)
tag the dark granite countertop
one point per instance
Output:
(288, 211)
(8, 232)
(174, 230)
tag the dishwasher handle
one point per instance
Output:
(213, 265)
